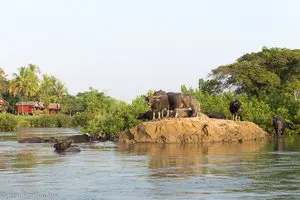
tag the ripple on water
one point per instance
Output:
(254, 170)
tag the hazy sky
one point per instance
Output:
(127, 47)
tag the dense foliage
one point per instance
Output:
(262, 72)
(266, 82)
(110, 116)
(8, 122)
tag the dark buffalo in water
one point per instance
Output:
(235, 108)
(280, 125)
(180, 100)
(38, 140)
(66, 146)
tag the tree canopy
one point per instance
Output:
(262, 72)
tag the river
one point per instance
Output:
(250, 170)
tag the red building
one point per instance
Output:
(54, 108)
(29, 108)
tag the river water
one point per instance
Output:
(251, 170)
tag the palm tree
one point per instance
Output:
(33, 82)
(46, 89)
(3, 82)
(18, 85)
(59, 90)
(25, 82)
(52, 89)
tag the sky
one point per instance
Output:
(127, 47)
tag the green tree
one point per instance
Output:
(46, 89)
(4, 84)
(52, 89)
(71, 104)
(25, 83)
(292, 87)
(210, 86)
(261, 72)
(33, 80)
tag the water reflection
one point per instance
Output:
(14, 155)
(182, 160)
(25, 159)
(253, 170)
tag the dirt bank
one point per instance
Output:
(193, 130)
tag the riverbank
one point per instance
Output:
(193, 130)
(9, 122)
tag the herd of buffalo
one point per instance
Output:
(170, 104)
(163, 105)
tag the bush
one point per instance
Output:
(8, 122)
(81, 119)
(46, 121)
(257, 111)
(115, 117)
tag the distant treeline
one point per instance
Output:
(266, 82)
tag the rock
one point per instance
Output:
(79, 138)
(193, 130)
(126, 137)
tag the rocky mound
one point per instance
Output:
(193, 130)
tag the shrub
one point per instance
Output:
(46, 121)
(81, 119)
(8, 122)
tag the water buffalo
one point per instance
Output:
(66, 146)
(182, 112)
(235, 108)
(146, 116)
(180, 100)
(158, 103)
(216, 115)
(280, 125)
(38, 140)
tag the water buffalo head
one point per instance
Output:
(153, 100)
